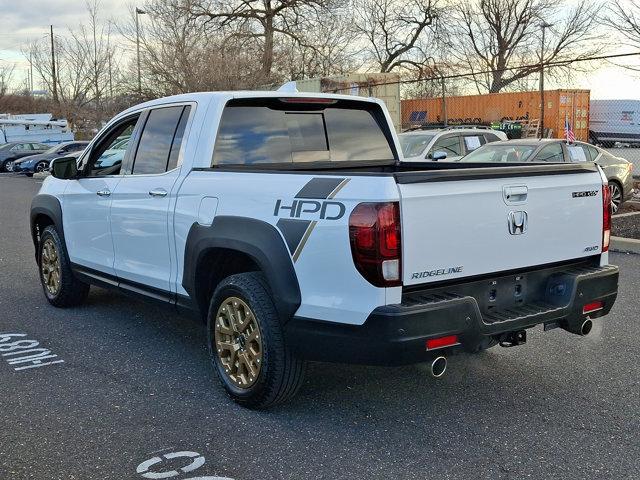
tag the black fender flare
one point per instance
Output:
(258, 240)
(48, 205)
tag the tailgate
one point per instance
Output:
(463, 225)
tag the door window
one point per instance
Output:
(550, 153)
(108, 153)
(449, 145)
(21, 147)
(156, 140)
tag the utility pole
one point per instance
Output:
(54, 79)
(544, 26)
(444, 104)
(139, 12)
(30, 72)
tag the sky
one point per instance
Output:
(23, 21)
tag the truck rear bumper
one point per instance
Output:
(397, 334)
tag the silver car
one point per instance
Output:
(618, 170)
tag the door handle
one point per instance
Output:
(103, 193)
(158, 192)
(514, 194)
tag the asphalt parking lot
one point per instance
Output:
(130, 394)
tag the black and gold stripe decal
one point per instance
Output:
(296, 232)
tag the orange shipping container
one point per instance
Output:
(496, 107)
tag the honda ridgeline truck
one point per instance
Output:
(289, 222)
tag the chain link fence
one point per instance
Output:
(590, 100)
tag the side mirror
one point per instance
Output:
(438, 155)
(64, 168)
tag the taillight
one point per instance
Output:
(606, 217)
(374, 233)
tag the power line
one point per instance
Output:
(557, 63)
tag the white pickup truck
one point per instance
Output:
(289, 222)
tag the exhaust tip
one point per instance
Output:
(438, 367)
(586, 327)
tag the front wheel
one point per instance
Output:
(60, 286)
(41, 167)
(247, 346)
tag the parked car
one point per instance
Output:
(449, 143)
(9, 152)
(618, 170)
(39, 163)
(295, 232)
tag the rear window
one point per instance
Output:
(505, 153)
(274, 132)
(413, 144)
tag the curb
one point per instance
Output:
(625, 245)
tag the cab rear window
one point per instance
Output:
(276, 132)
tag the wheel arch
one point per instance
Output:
(236, 245)
(45, 210)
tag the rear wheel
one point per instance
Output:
(41, 167)
(616, 196)
(246, 343)
(60, 286)
(8, 166)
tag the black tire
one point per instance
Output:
(41, 167)
(71, 292)
(281, 373)
(3, 165)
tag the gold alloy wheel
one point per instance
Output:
(50, 267)
(238, 342)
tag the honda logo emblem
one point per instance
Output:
(518, 222)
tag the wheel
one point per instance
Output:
(41, 167)
(616, 196)
(60, 286)
(247, 346)
(3, 166)
(8, 166)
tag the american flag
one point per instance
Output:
(568, 133)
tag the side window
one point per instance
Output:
(20, 147)
(177, 140)
(594, 152)
(550, 153)
(156, 141)
(38, 146)
(471, 142)
(579, 152)
(450, 145)
(491, 137)
(107, 154)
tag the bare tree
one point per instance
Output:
(180, 54)
(251, 20)
(624, 17)
(395, 31)
(85, 68)
(6, 78)
(325, 45)
(500, 39)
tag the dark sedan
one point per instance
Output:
(618, 170)
(9, 152)
(40, 163)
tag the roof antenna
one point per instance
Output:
(289, 87)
